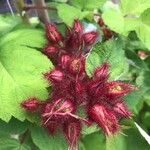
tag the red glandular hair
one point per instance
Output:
(73, 88)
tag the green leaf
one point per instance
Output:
(78, 3)
(46, 142)
(7, 23)
(143, 31)
(133, 140)
(133, 99)
(134, 7)
(87, 4)
(14, 126)
(143, 79)
(137, 62)
(68, 13)
(129, 19)
(116, 142)
(111, 18)
(94, 141)
(21, 69)
(112, 52)
(147, 61)
(12, 144)
(86, 130)
(146, 119)
(126, 24)
(93, 4)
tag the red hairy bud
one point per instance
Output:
(52, 126)
(31, 104)
(90, 37)
(101, 72)
(121, 109)
(59, 109)
(107, 33)
(104, 117)
(72, 132)
(50, 50)
(101, 22)
(118, 88)
(54, 75)
(77, 65)
(77, 26)
(73, 41)
(65, 60)
(52, 33)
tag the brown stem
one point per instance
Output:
(42, 13)
(29, 7)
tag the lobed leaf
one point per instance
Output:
(47, 142)
(21, 68)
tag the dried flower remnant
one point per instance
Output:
(72, 88)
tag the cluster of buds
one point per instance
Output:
(108, 34)
(72, 88)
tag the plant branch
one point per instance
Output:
(42, 13)
(29, 7)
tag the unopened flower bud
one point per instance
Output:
(52, 126)
(77, 66)
(104, 117)
(107, 33)
(72, 132)
(31, 104)
(57, 110)
(121, 109)
(77, 26)
(90, 37)
(54, 75)
(118, 88)
(52, 33)
(101, 22)
(64, 61)
(50, 50)
(101, 72)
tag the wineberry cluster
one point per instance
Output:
(73, 89)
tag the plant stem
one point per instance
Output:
(42, 13)
(29, 7)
